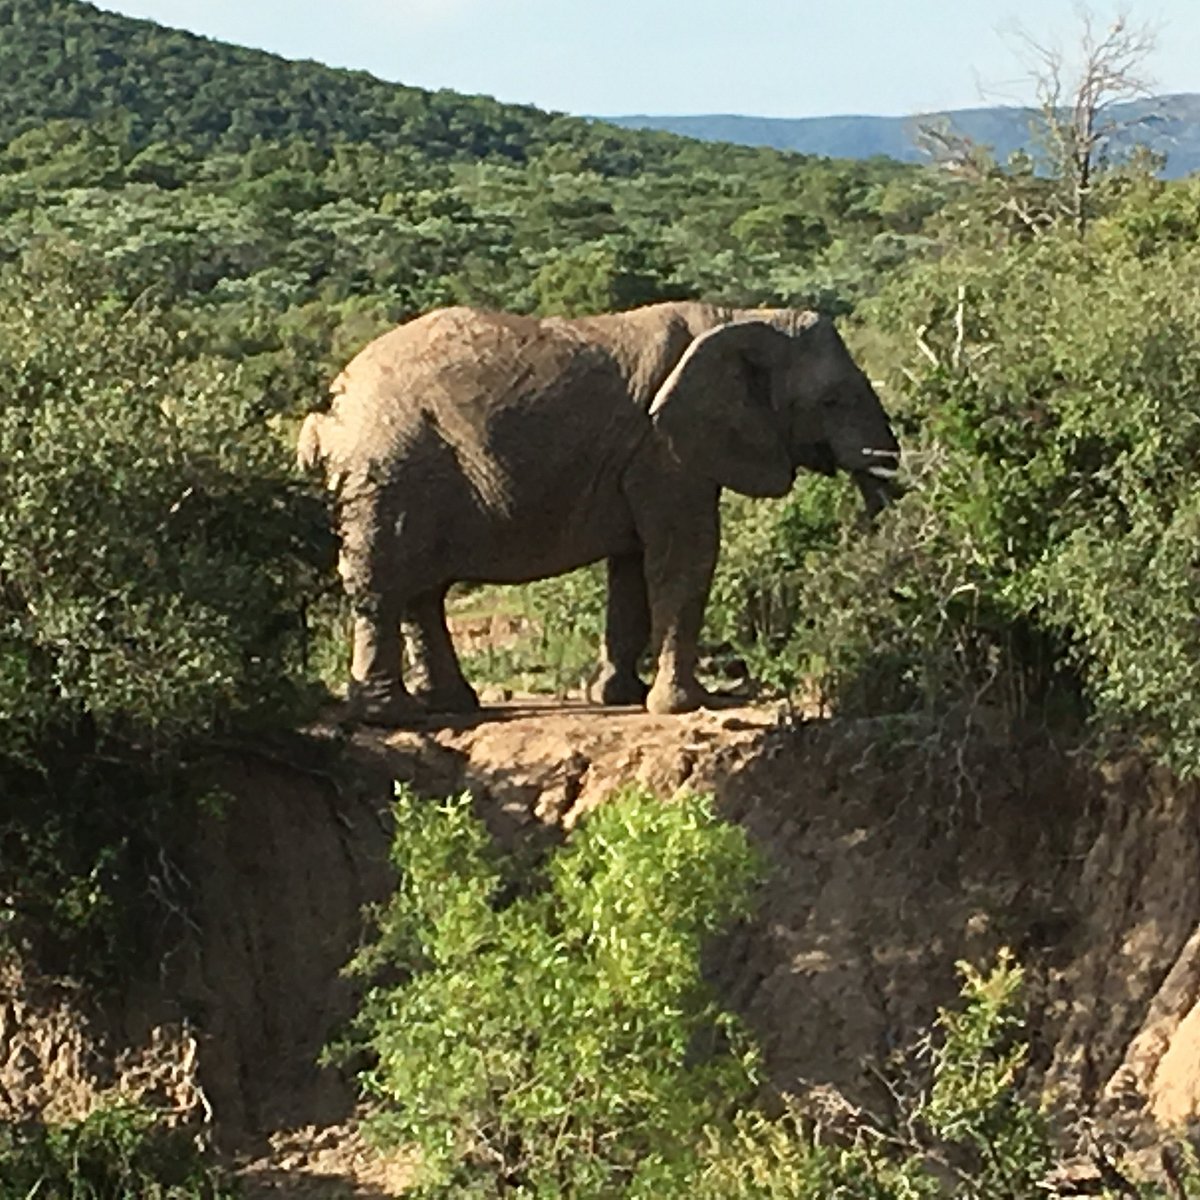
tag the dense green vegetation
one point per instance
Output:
(594, 1046)
(283, 200)
(120, 1152)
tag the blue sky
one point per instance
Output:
(761, 57)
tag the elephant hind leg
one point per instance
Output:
(437, 676)
(377, 695)
(626, 632)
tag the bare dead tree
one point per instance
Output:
(1081, 126)
(1077, 122)
(952, 150)
(1016, 201)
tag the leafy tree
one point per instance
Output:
(600, 277)
(782, 229)
(66, 154)
(151, 545)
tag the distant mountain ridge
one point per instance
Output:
(1169, 124)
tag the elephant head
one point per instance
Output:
(753, 401)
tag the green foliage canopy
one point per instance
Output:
(153, 547)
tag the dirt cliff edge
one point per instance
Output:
(895, 849)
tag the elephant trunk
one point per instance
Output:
(877, 490)
(872, 469)
(867, 450)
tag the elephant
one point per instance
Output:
(474, 446)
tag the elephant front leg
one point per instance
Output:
(626, 632)
(377, 694)
(680, 561)
(439, 683)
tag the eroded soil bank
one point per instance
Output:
(896, 851)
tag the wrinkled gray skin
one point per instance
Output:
(484, 447)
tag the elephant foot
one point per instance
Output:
(460, 698)
(677, 697)
(621, 687)
(371, 707)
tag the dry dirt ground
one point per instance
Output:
(896, 851)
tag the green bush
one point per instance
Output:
(974, 1107)
(1058, 434)
(962, 1126)
(555, 1039)
(120, 1152)
(785, 1158)
(756, 606)
(961, 1129)
(556, 626)
(155, 558)
(154, 550)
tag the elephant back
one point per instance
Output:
(512, 407)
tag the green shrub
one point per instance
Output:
(975, 1107)
(756, 607)
(784, 1158)
(120, 1152)
(155, 558)
(1059, 434)
(555, 1039)
(154, 550)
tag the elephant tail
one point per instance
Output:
(309, 453)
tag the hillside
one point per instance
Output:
(67, 59)
(1168, 124)
(177, 98)
(293, 210)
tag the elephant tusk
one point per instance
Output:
(868, 452)
(883, 472)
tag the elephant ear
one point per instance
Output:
(715, 409)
